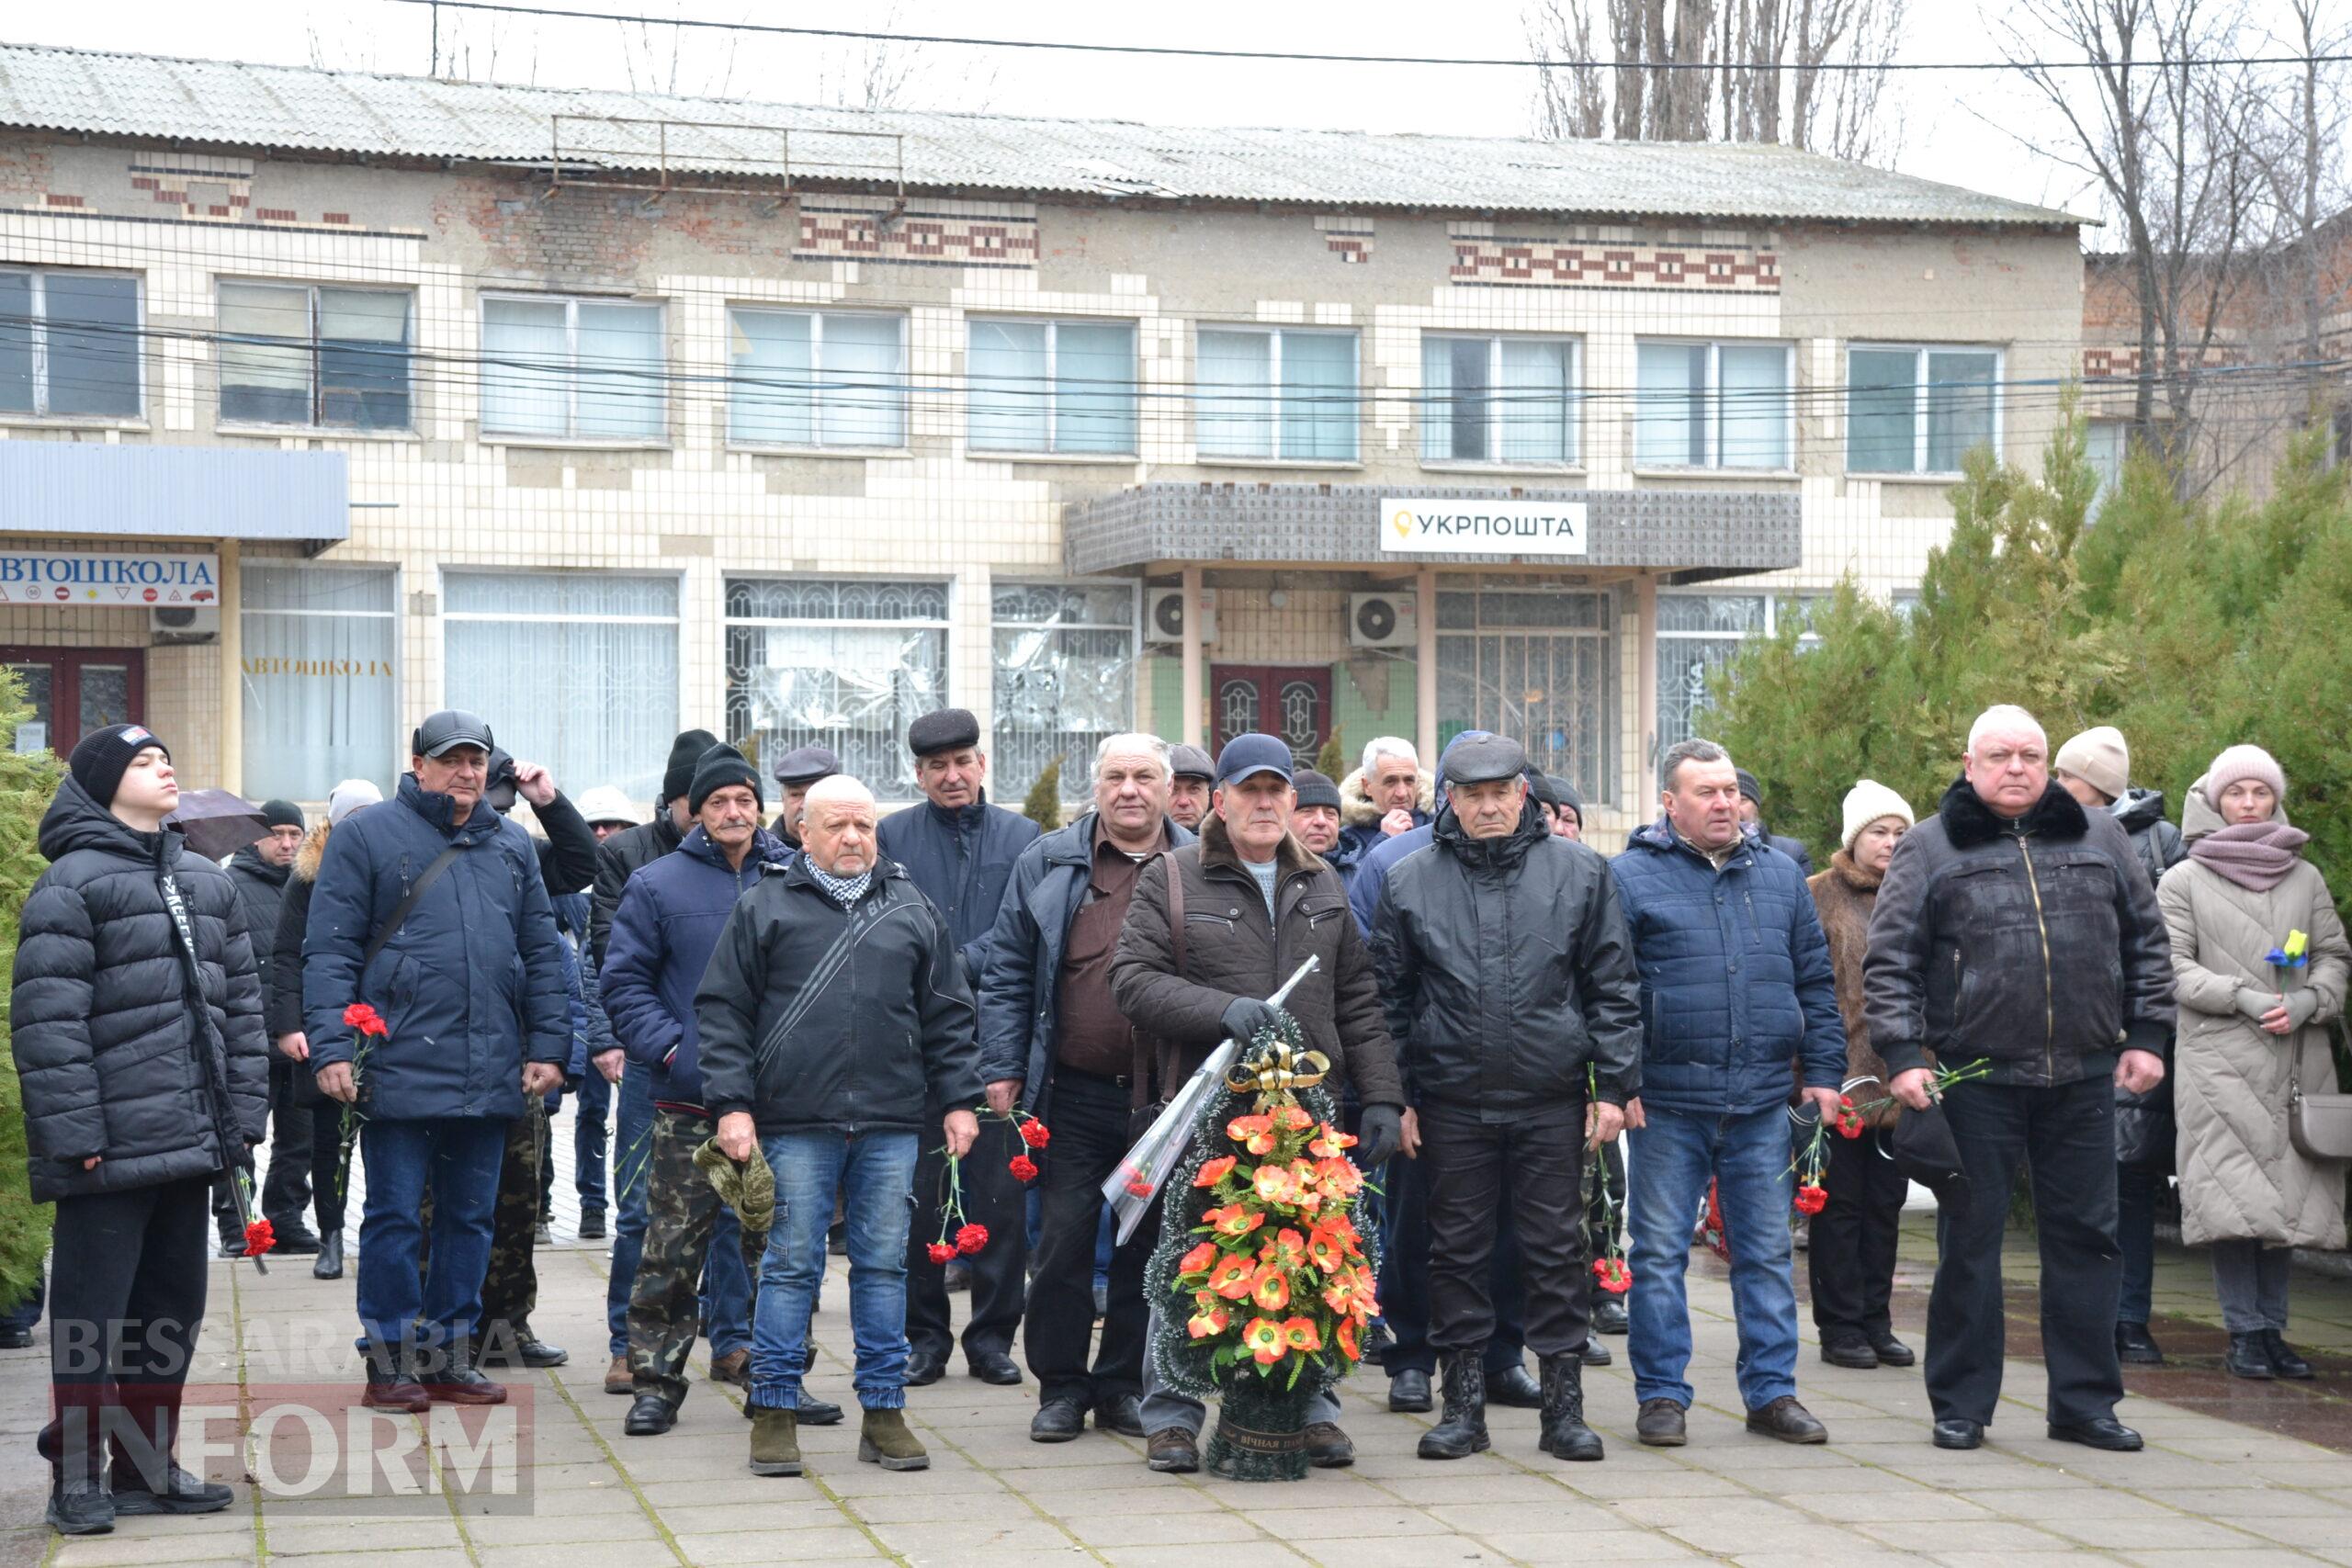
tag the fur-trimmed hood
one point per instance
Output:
(1356, 809)
(313, 851)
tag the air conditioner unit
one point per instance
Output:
(185, 623)
(1382, 620)
(1163, 618)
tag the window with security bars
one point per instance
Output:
(572, 369)
(69, 345)
(1918, 409)
(575, 670)
(1504, 400)
(815, 378)
(332, 358)
(1286, 394)
(1065, 656)
(1540, 666)
(1697, 634)
(846, 663)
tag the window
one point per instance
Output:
(1699, 634)
(2107, 443)
(1276, 393)
(1499, 400)
(1713, 405)
(1065, 680)
(1919, 410)
(802, 378)
(69, 345)
(575, 670)
(322, 698)
(1537, 664)
(572, 369)
(1052, 385)
(843, 663)
(291, 353)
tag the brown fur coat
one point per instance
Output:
(1844, 895)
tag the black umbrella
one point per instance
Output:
(216, 822)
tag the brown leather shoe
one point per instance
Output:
(734, 1367)
(1790, 1421)
(1660, 1423)
(1328, 1447)
(1173, 1451)
(618, 1378)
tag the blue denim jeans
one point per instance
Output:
(874, 1173)
(457, 1159)
(591, 1114)
(632, 1155)
(1672, 1159)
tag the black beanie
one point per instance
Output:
(721, 766)
(98, 764)
(684, 752)
(281, 814)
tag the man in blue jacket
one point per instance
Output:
(958, 851)
(1054, 1042)
(432, 912)
(662, 935)
(1736, 982)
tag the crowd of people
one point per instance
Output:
(861, 998)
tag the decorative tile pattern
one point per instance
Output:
(1544, 264)
(926, 236)
(1346, 236)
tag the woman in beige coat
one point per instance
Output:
(2244, 1189)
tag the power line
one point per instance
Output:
(1188, 51)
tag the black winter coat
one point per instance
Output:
(2035, 946)
(1506, 972)
(1232, 950)
(961, 859)
(816, 1017)
(261, 889)
(2155, 840)
(113, 1058)
(567, 855)
(618, 858)
(282, 1003)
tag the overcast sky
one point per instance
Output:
(1962, 128)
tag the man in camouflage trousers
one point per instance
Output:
(670, 917)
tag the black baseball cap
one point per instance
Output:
(448, 729)
(1246, 756)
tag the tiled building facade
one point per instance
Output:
(798, 460)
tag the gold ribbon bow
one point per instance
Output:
(1278, 1070)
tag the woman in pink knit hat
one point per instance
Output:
(2253, 1008)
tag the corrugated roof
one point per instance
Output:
(232, 105)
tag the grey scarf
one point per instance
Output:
(2256, 855)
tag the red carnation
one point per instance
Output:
(1035, 1133)
(260, 1236)
(1611, 1275)
(940, 1252)
(1022, 1166)
(971, 1238)
(1811, 1200)
(1139, 1187)
(365, 1019)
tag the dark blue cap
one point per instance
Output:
(1246, 755)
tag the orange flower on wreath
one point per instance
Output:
(1328, 1142)
(1232, 1276)
(1346, 1339)
(1199, 1259)
(1213, 1171)
(1291, 1119)
(1233, 1220)
(1275, 1185)
(1287, 1251)
(1324, 1249)
(1338, 1177)
(1270, 1289)
(1255, 1134)
(1263, 1339)
(1208, 1321)
(1301, 1335)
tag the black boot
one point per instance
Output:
(392, 1385)
(458, 1379)
(1565, 1434)
(2283, 1359)
(1461, 1431)
(2249, 1357)
(328, 1264)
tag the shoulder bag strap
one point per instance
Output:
(407, 906)
(1141, 1073)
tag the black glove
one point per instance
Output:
(1244, 1016)
(1379, 1136)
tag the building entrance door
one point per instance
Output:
(74, 691)
(1291, 701)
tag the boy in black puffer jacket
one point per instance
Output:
(137, 1032)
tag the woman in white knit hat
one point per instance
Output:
(2247, 1026)
(1851, 1259)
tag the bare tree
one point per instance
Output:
(1799, 72)
(2172, 144)
(2309, 191)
